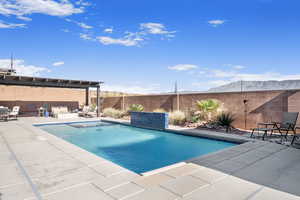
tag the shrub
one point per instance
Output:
(177, 117)
(114, 113)
(191, 116)
(207, 108)
(136, 108)
(159, 110)
(225, 120)
(195, 118)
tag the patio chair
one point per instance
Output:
(295, 136)
(288, 124)
(14, 113)
(85, 111)
(62, 112)
(4, 112)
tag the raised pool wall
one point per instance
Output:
(157, 121)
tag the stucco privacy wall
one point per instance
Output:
(23, 93)
(261, 105)
(31, 98)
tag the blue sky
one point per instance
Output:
(145, 46)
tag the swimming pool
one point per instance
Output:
(139, 150)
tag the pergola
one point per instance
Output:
(52, 82)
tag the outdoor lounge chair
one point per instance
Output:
(288, 124)
(86, 112)
(14, 113)
(62, 113)
(4, 113)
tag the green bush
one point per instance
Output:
(136, 108)
(225, 120)
(112, 112)
(191, 116)
(159, 110)
(207, 108)
(177, 118)
(195, 118)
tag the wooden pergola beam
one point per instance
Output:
(46, 82)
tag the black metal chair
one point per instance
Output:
(288, 124)
(296, 136)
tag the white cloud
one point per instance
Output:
(11, 26)
(22, 68)
(82, 3)
(183, 67)
(108, 30)
(83, 25)
(120, 41)
(85, 36)
(47, 7)
(24, 18)
(80, 24)
(155, 28)
(154, 88)
(131, 39)
(136, 38)
(59, 63)
(216, 22)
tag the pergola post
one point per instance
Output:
(87, 96)
(98, 101)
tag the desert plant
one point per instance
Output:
(225, 120)
(159, 110)
(136, 108)
(207, 108)
(112, 112)
(195, 118)
(191, 117)
(177, 117)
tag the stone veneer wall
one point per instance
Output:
(262, 106)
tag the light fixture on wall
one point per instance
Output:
(245, 102)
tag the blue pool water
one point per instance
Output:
(136, 149)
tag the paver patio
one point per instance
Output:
(38, 165)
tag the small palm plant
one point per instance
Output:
(207, 107)
(136, 108)
(225, 120)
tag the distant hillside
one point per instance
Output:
(257, 85)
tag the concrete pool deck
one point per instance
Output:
(37, 165)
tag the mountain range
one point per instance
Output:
(257, 85)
